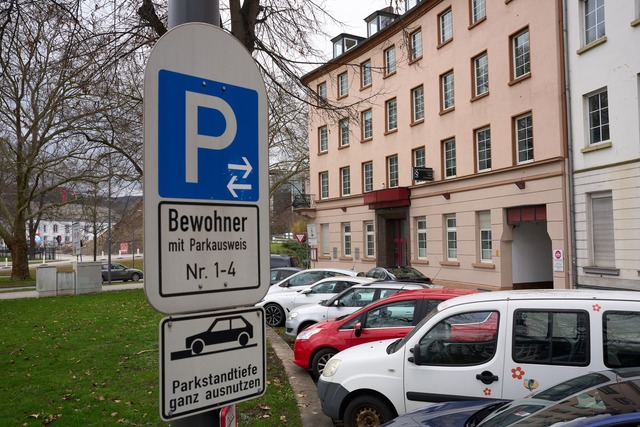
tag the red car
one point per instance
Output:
(391, 317)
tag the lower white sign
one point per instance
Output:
(210, 360)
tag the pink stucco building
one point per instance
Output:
(469, 96)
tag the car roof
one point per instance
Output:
(360, 279)
(390, 284)
(544, 294)
(286, 268)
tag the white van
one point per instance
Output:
(498, 345)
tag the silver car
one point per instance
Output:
(277, 305)
(344, 303)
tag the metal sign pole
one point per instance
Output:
(181, 12)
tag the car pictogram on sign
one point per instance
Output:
(222, 330)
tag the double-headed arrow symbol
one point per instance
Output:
(232, 186)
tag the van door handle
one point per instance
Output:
(486, 377)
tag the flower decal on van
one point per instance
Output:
(517, 373)
(596, 307)
(487, 391)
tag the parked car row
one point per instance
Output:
(490, 345)
(413, 354)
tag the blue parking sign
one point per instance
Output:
(207, 139)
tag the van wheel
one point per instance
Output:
(274, 315)
(367, 411)
(320, 360)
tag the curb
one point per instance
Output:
(302, 384)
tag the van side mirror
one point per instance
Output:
(358, 329)
(416, 358)
(306, 291)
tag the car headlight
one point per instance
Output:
(292, 315)
(331, 367)
(307, 333)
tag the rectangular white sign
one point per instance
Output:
(210, 360)
(206, 248)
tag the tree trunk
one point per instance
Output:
(19, 252)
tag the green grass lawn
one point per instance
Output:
(92, 360)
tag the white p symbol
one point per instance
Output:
(193, 140)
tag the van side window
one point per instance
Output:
(551, 337)
(463, 339)
(621, 338)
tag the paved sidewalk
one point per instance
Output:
(302, 384)
(300, 380)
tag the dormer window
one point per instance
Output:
(343, 43)
(409, 4)
(380, 20)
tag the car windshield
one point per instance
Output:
(405, 272)
(400, 343)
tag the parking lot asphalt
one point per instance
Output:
(300, 380)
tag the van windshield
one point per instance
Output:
(401, 342)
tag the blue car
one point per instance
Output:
(598, 399)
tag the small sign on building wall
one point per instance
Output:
(558, 260)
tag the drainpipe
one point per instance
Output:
(567, 90)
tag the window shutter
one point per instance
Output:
(603, 239)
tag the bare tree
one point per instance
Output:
(55, 82)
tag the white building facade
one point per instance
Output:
(603, 52)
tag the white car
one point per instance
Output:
(278, 304)
(344, 303)
(306, 278)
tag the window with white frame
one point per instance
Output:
(390, 60)
(392, 114)
(419, 158)
(445, 24)
(598, 107)
(55, 228)
(449, 152)
(324, 185)
(367, 124)
(346, 239)
(322, 90)
(452, 237)
(324, 238)
(524, 138)
(343, 85)
(344, 132)
(417, 104)
(392, 171)
(345, 181)
(481, 74)
(446, 88)
(415, 45)
(602, 230)
(365, 73)
(370, 239)
(367, 177)
(421, 236)
(67, 228)
(593, 20)
(521, 54)
(483, 147)
(323, 139)
(44, 228)
(484, 234)
(478, 10)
